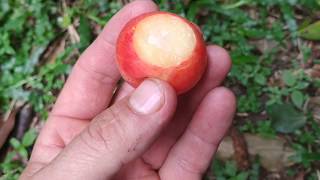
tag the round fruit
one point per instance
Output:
(162, 45)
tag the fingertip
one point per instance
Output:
(223, 101)
(216, 111)
(219, 58)
(224, 95)
(206, 130)
(155, 98)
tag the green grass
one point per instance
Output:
(266, 39)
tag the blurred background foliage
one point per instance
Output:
(274, 45)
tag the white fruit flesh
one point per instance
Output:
(164, 40)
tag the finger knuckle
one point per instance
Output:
(106, 132)
(189, 166)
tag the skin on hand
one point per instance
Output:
(144, 133)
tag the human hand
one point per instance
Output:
(143, 133)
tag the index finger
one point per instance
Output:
(90, 86)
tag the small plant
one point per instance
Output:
(294, 84)
(15, 160)
(263, 128)
(228, 171)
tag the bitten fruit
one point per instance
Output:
(161, 45)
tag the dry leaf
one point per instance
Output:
(314, 106)
(274, 153)
(74, 36)
(264, 45)
(240, 148)
(7, 123)
(23, 121)
(55, 49)
(313, 72)
(300, 176)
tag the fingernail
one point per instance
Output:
(147, 98)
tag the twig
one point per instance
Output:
(240, 148)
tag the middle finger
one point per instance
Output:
(219, 64)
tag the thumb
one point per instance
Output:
(116, 136)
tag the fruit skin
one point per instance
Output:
(134, 70)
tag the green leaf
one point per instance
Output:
(85, 33)
(265, 129)
(242, 176)
(15, 143)
(260, 79)
(302, 85)
(311, 32)
(192, 11)
(218, 167)
(297, 98)
(285, 118)
(288, 78)
(66, 20)
(29, 138)
(237, 4)
(241, 59)
(304, 156)
(231, 168)
(23, 152)
(255, 33)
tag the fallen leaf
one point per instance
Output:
(264, 45)
(23, 121)
(226, 150)
(300, 176)
(240, 148)
(273, 153)
(74, 36)
(314, 72)
(55, 50)
(314, 107)
(7, 123)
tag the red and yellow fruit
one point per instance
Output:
(161, 45)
